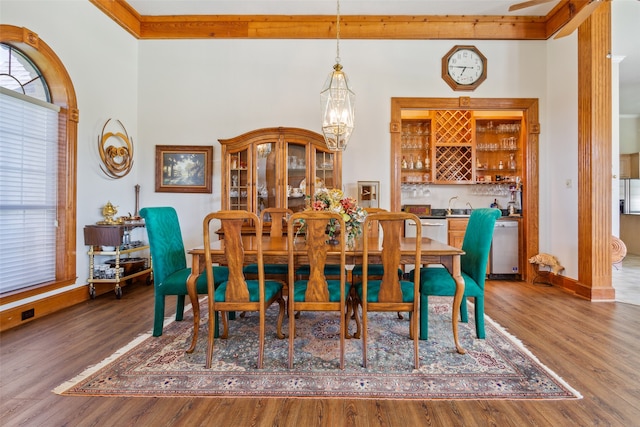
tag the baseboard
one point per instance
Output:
(31, 311)
(36, 309)
(576, 288)
(504, 277)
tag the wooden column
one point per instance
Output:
(594, 156)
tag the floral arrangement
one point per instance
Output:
(332, 199)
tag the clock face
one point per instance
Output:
(465, 66)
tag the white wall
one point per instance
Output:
(178, 92)
(629, 134)
(559, 156)
(219, 89)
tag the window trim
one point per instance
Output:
(62, 95)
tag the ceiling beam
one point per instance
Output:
(122, 13)
(387, 27)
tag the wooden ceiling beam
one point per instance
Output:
(387, 27)
(562, 14)
(122, 13)
(351, 27)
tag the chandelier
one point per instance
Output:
(337, 101)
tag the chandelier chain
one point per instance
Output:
(338, 34)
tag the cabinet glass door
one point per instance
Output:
(265, 170)
(325, 169)
(297, 185)
(239, 180)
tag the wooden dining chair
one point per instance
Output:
(278, 218)
(375, 270)
(317, 292)
(438, 281)
(170, 271)
(237, 293)
(390, 294)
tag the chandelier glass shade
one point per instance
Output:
(338, 109)
(337, 101)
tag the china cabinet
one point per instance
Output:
(276, 167)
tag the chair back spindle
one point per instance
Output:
(391, 231)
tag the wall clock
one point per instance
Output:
(464, 67)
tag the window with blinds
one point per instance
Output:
(28, 190)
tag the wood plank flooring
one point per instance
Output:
(626, 279)
(595, 347)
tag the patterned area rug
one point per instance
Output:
(498, 367)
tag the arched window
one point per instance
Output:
(38, 128)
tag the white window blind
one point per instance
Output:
(28, 190)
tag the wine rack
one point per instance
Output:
(453, 154)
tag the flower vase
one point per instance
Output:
(333, 237)
(333, 231)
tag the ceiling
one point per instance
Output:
(626, 37)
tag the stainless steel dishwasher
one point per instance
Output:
(433, 228)
(504, 249)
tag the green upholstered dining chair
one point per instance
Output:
(473, 264)
(390, 293)
(170, 271)
(318, 292)
(237, 293)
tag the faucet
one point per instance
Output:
(451, 200)
(470, 207)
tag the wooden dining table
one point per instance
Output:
(275, 251)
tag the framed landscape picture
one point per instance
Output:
(184, 168)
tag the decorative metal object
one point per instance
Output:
(117, 159)
(136, 215)
(108, 212)
(337, 101)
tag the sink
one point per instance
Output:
(459, 213)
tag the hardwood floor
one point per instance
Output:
(595, 347)
(626, 279)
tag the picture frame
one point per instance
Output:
(369, 194)
(184, 168)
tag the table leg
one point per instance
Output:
(193, 297)
(457, 300)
